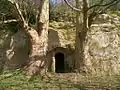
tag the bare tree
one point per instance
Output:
(85, 15)
(39, 35)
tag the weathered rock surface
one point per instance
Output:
(15, 51)
(102, 50)
(58, 44)
(57, 38)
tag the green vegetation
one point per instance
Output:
(66, 29)
(115, 13)
(61, 12)
(16, 80)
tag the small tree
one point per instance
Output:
(85, 14)
(60, 12)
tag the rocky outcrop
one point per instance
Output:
(102, 49)
(15, 51)
(57, 38)
(15, 48)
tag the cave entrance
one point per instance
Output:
(59, 63)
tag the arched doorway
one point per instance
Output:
(59, 63)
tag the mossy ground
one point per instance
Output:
(17, 80)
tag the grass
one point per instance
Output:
(17, 80)
(99, 82)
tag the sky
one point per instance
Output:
(54, 1)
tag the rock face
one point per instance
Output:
(102, 49)
(15, 51)
(56, 38)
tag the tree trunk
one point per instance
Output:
(39, 38)
(81, 32)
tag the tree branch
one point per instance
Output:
(85, 13)
(103, 5)
(20, 13)
(99, 11)
(8, 21)
(110, 5)
(71, 6)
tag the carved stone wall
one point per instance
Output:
(68, 59)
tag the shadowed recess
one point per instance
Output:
(59, 63)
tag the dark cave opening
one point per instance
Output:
(59, 63)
